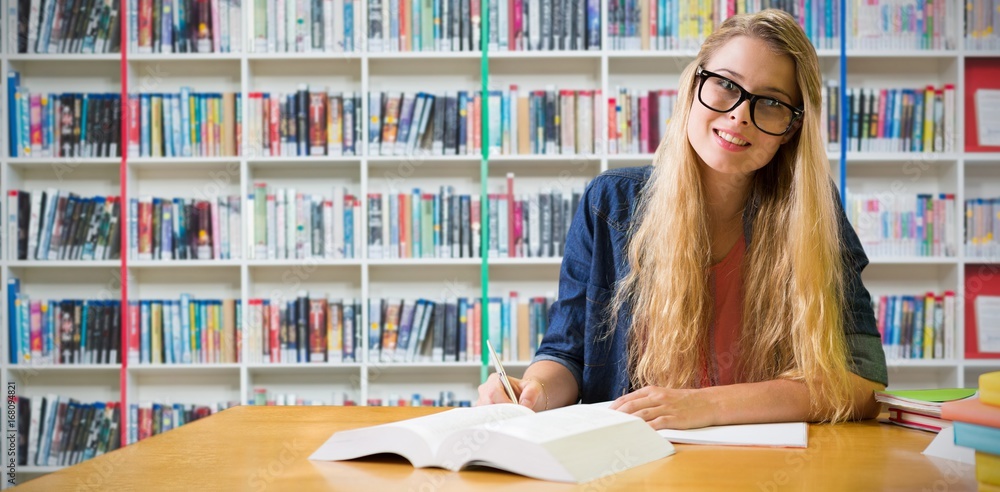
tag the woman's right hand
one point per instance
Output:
(529, 392)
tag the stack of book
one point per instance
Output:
(683, 25)
(183, 331)
(62, 124)
(637, 120)
(59, 332)
(921, 409)
(454, 25)
(977, 426)
(310, 121)
(63, 26)
(186, 124)
(60, 225)
(307, 328)
(59, 431)
(185, 26)
(184, 228)
(285, 224)
(898, 225)
(982, 227)
(147, 419)
(916, 327)
(290, 26)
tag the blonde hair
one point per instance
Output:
(793, 316)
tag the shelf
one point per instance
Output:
(983, 363)
(183, 263)
(546, 158)
(49, 57)
(982, 53)
(180, 161)
(943, 363)
(304, 262)
(426, 55)
(38, 469)
(525, 261)
(895, 157)
(650, 54)
(312, 55)
(184, 57)
(33, 162)
(64, 264)
(912, 260)
(20, 368)
(425, 262)
(541, 55)
(421, 367)
(979, 158)
(299, 161)
(905, 53)
(295, 368)
(174, 369)
(417, 158)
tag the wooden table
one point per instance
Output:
(266, 448)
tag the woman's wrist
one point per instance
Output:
(545, 394)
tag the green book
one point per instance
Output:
(931, 395)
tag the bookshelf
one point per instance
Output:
(965, 174)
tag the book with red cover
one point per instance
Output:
(916, 420)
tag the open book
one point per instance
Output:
(577, 443)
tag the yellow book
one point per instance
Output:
(929, 119)
(156, 332)
(988, 468)
(989, 388)
(928, 323)
(229, 332)
(210, 354)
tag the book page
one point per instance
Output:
(434, 429)
(790, 435)
(561, 422)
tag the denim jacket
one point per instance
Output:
(595, 258)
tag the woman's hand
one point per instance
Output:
(664, 408)
(529, 392)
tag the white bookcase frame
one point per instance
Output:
(364, 278)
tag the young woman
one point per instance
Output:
(722, 284)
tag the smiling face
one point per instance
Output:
(729, 143)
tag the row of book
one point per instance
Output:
(147, 419)
(261, 397)
(186, 124)
(444, 399)
(446, 225)
(62, 124)
(185, 26)
(62, 26)
(290, 26)
(291, 225)
(982, 227)
(60, 225)
(185, 228)
(902, 25)
(446, 124)
(60, 332)
(684, 25)
(454, 25)
(637, 120)
(982, 25)
(547, 122)
(60, 431)
(420, 330)
(893, 120)
(184, 331)
(917, 327)
(310, 121)
(309, 328)
(896, 225)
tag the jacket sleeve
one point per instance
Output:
(864, 343)
(565, 337)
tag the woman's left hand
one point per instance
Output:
(665, 408)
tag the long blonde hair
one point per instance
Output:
(793, 312)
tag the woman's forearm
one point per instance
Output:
(559, 384)
(783, 400)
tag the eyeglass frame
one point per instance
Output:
(746, 95)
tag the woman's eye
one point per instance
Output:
(771, 103)
(727, 85)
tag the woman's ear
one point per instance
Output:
(791, 132)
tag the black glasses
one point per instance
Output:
(722, 95)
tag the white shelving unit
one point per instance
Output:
(960, 173)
